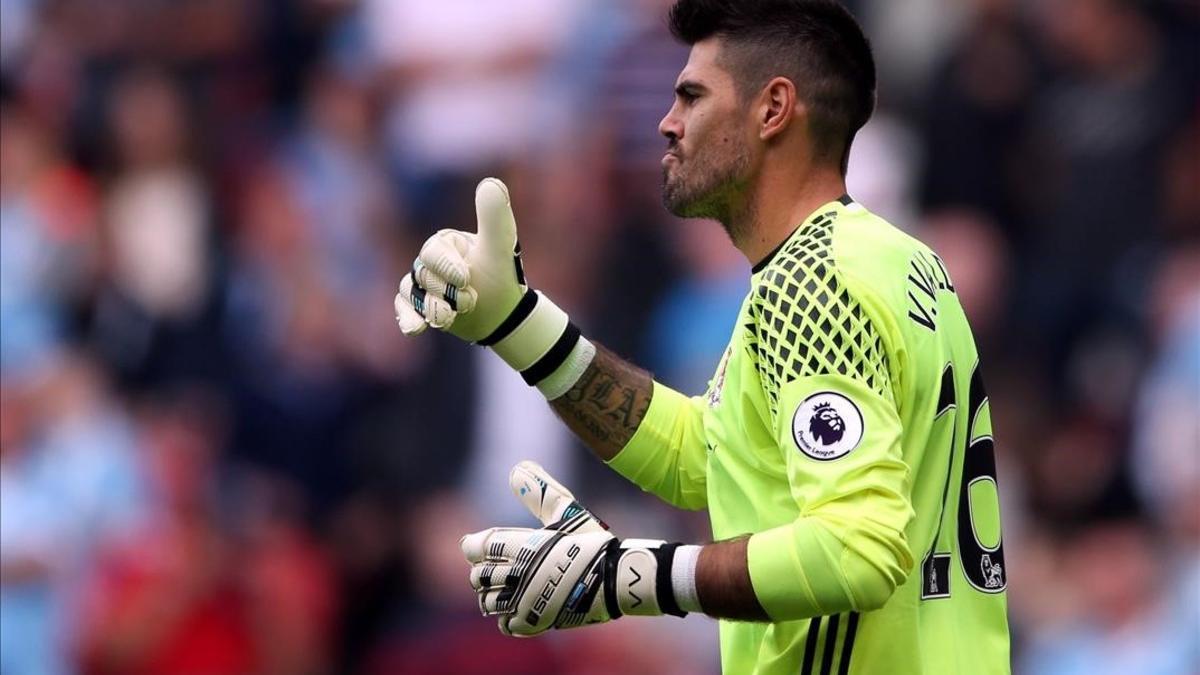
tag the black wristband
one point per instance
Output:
(663, 588)
(554, 357)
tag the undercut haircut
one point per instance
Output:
(817, 44)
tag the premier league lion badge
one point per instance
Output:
(827, 425)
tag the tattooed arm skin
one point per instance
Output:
(604, 409)
(607, 404)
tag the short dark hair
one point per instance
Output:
(817, 44)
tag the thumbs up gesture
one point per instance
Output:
(472, 285)
(466, 283)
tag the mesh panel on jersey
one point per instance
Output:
(804, 322)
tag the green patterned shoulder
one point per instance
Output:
(803, 321)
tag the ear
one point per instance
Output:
(777, 107)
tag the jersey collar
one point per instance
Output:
(844, 200)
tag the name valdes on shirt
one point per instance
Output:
(927, 276)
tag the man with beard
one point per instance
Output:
(844, 447)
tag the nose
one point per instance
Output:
(671, 126)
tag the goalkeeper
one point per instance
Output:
(844, 446)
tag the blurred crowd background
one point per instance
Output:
(218, 455)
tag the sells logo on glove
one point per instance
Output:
(552, 583)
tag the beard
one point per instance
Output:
(707, 187)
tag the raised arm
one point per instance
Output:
(472, 285)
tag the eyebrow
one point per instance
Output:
(689, 87)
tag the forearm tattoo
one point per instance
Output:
(607, 404)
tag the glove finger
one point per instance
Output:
(496, 544)
(461, 300)
(497, 601)
(547, 499)
(410, 320)
(516, 626)
(487, 602)
(445, 254)
(513, 626)
(434, 308)
(492, 575)
(497, 226)
(407, 318)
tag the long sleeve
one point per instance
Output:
(847, 549)
(667, 454)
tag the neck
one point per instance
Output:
(777, 204)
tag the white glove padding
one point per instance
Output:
(472, 285)
(451, 262)
(570, 573)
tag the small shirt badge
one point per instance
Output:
(827, 425)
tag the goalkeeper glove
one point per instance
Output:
(472, 286)
(573, 571)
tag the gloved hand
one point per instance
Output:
(472, 286)
(572, 572)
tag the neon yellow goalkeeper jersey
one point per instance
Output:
(848, 430)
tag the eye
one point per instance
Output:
(687, 94)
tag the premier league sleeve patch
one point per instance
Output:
(827, 425)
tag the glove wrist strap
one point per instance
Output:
(638, 579)
(539, 341)
(515, 318)
(663, 586)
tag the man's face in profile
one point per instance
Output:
(707, 158)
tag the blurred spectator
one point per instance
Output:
(434, 55)
(313, 261)
(1166, 435)
(280, 318)
(338, 178)
(191, 594)
(31, 632)
(1121, 621)
(1099, 128)
(153, 315)
(71, 488)
(976, 113)
(1166, 428)
(47, 240)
